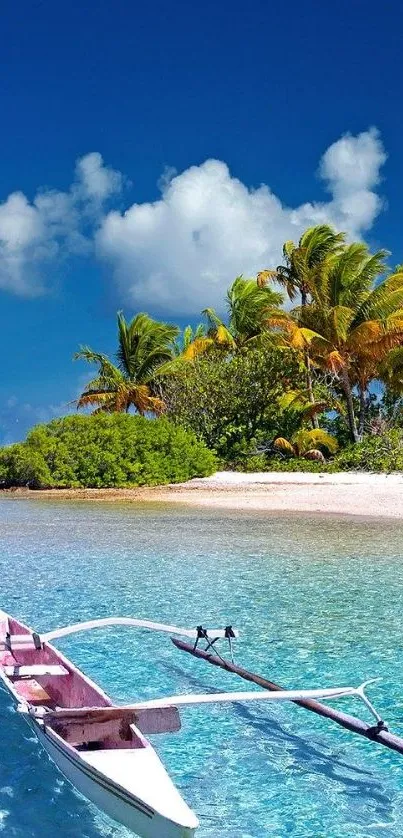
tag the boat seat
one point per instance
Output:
(38, 670)
(32, 692)
(19, 642)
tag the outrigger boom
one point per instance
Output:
(24, 642)
(74, 714)
(378, 733)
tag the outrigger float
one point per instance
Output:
(102, 748)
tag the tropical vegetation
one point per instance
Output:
(115, 450)
(377, 452)
(144, 346)
(314, 444)
(302, 368)
(248, 305)
(233, 400)
(349, 324)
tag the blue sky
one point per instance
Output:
(151, 152)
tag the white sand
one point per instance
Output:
(347, 493)
(358, 494)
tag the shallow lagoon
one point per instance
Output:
(319, 602)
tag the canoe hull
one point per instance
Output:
(123, 776)
(115, 802)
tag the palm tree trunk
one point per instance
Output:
(309, 387)
(314, 420)
(363, 411)
(348, 392)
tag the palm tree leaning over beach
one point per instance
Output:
(144, 346)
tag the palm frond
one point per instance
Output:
(213, 320)
(144, 344)
(385, 299)
(95, 397)
(316, 437)
(264, 277)
(197, 347)
(341, 319)
(283, 445)
(391, 370)
(335, 361)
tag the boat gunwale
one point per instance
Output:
(73, 669)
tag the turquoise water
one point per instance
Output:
(319, 602)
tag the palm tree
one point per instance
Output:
(248, 308)
(356, 323)
(298, 403)
(304, 264)
(144, 346)
(391, 375)
(391, 370)
(308, 444)
(304, 261)
(192, 342)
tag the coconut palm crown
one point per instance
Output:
(144, 346)
(304, 261)
(248, 307)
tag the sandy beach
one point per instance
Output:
(355, 494)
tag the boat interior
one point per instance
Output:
(42, 677)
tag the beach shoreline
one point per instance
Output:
(345, 493)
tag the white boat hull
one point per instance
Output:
(119, 804)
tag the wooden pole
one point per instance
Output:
(159, 720)
(383, 737)
(88, 715)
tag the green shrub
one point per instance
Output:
(105, 450)
(378, 453)
(374, 453)
(255, 463)
(232, 402)
(27, 467)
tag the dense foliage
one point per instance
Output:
(383, 452)
(104, 451)
(349, 323)
(233, 402)
(377, 452)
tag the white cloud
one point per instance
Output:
(353, 163)
(53, 225)
(96, 181)
(181, 252)
(22, 234)
(351, 166)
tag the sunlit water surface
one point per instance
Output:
(319, 602)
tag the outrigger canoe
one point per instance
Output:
(102, 749)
